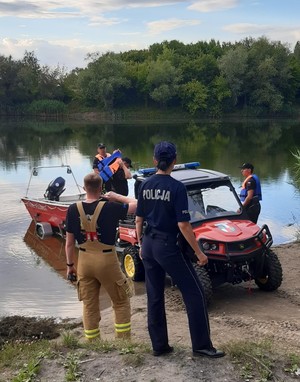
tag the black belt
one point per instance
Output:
(103, 250)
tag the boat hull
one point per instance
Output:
(47, 212)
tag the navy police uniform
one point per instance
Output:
(162, 203)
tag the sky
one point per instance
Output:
(64, 32)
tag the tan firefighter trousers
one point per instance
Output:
(98, 266)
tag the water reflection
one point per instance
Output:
(50, 250)
(50, 253)
(218, 144)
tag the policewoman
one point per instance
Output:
(250, 194)
(163, 205)
(92, 223)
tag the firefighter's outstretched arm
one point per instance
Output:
(114, 197)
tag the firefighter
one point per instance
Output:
(163, 205)
(250, 194)
(93, 224)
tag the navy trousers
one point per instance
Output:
(161, 255)
(253, 211)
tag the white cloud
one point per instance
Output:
(96, 21)
(72, 53)
(160, 26)
(277, 33)
(54, 9)
(213, 5)
(247, 28)
(152, 4)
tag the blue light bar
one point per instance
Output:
(182, 166)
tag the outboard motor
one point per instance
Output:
(55, 189)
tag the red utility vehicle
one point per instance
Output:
(237, 249)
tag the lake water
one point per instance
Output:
(32, 272)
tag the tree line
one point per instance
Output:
(252, 76)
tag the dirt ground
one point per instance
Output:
(236, 312)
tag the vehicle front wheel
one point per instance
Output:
(205, 280)
(132, 265)
(271, 277)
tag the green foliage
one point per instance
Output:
(293, 364)
(102, 81)
(25, 81)
(28, 372)
(71, 365)
(163, 79)
(70, 340)
(25, 357)
(258, 76)
(233, 66)
(254, 358)
(46, 107)
(194, 96)
(296, 155)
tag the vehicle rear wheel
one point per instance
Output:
(271, 277)
(205, 280)
(132, 265)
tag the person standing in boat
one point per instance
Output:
(92, 224)
(102, 154)
(251, 192)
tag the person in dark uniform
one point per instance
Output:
(251, 192)
(119, 179)
(92, 223)
(163, 205)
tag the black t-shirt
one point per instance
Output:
(107, 186)
(107, 222)
(251, 184)
(119, 182)
(96, 162)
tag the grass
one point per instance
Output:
(69, 340)
(71, 365)
(259, 361)
(293, 365)
(24, 360)
(254, 359)
(296, 167)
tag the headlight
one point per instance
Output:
(210, 246)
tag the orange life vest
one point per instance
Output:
(101, 157)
